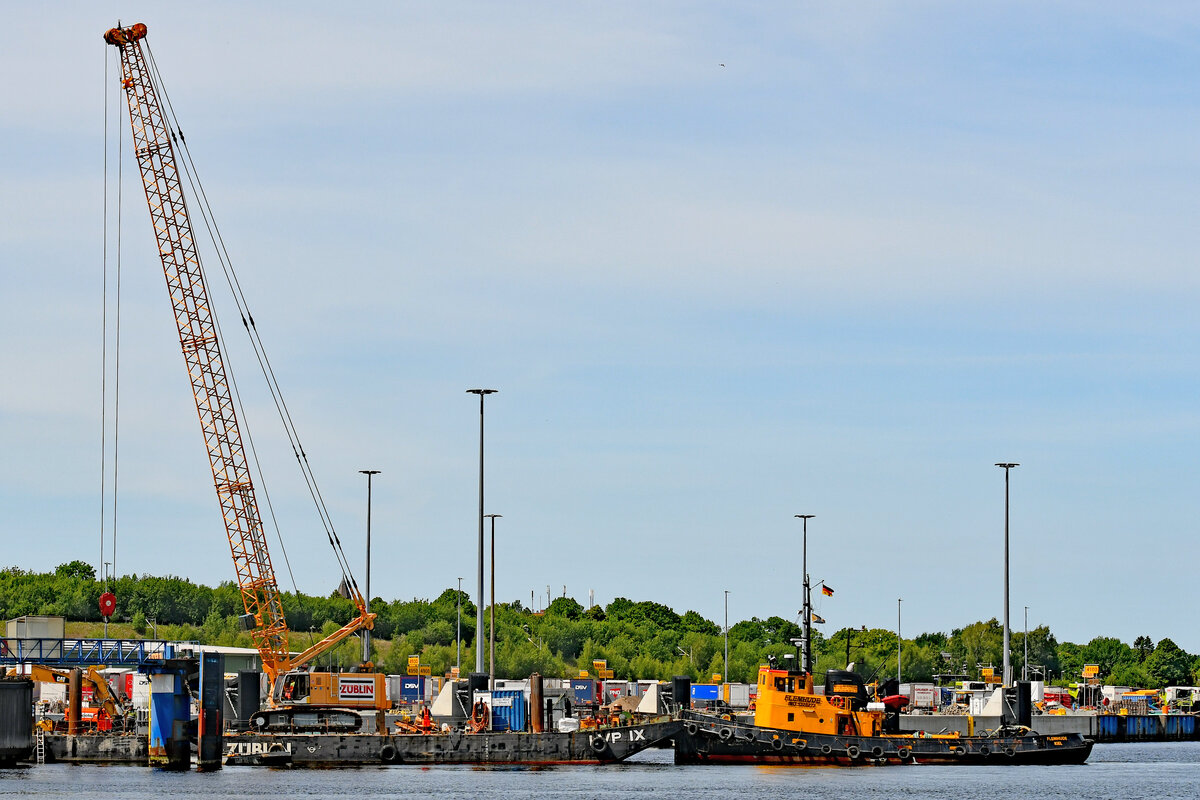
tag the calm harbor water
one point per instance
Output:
(1126, 772)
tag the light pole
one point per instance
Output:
(1025, 665)
(849, 641)
(458, 630)
(1007, 633)
(726, 675)
(807, 612)
(688, 653)
(492, 626)
(479, 611)
(899, 600)
(370, 473)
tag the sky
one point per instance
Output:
(725, 264)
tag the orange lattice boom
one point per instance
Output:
(198, 338)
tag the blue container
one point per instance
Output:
(508, 710)
(412, 688)
(584, 690)
(706, 691)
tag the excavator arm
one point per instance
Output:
(102, 693)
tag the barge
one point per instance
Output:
(595, 746)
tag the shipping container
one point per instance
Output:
(737, 695)
(583, 690)
(139, 692)
(511, 685)
(706, 691)
(923, 695)
(36, 627)
(412, 688)
(614, 690)
(50, 692)
(508, 710)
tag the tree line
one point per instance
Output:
(638, 639)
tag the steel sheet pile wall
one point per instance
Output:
(16, 720)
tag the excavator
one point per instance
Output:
(104, 700)
(300, 698)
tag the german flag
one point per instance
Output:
(825, 590)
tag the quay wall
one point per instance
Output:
(1102, 728)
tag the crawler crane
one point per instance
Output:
(300, 698)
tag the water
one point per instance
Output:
(1120, 771)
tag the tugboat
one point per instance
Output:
(793, 724)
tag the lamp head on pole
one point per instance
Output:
(804, 516)
(482, 391)
(369, 471)
(1007, 466)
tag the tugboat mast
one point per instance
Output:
(806, 665)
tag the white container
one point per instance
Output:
(141, 691)
(924, 695)
(739, 695)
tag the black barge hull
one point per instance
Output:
(602, 746)
(706, 739)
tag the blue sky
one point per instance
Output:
(883, 247)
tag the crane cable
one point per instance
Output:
(192, 176)
(262, 483)
(104, 335)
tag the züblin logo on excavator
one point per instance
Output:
(356, 688)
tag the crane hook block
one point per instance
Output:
(122, 36)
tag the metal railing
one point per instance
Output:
(82, 652)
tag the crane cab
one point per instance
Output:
(360, 690)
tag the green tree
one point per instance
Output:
(565, 607)
(1144, 646)
(1132, 674)
(979, 644)
(1108, 653)
(76, 569)
(1168, 665)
